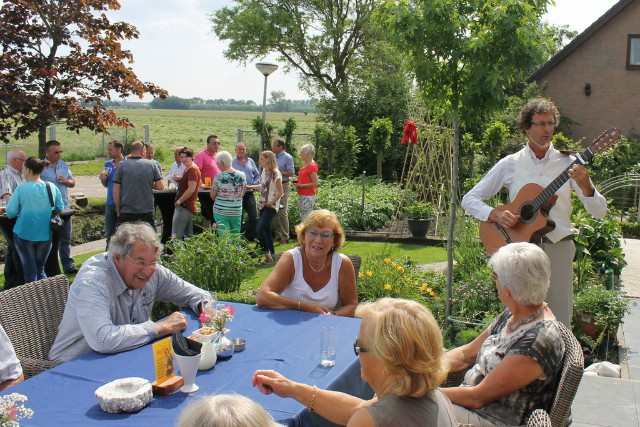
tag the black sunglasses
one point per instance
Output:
(357, 349)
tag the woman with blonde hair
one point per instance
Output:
(314, 276)
(269, 203)
(225, 410)
(401, 357)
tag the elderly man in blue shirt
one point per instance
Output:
(245, 164)
(287, 169)
(110, 302)
(59, 174)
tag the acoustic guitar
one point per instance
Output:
(533, 203)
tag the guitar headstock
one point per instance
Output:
(605, 140)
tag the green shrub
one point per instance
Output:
(383, 277)
(212, 262)
(630, 230)
(598, 239)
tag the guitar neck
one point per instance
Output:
(555, 185)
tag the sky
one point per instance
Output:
(178, 51)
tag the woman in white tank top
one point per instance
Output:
(313, 276)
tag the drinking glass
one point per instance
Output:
(328, 340)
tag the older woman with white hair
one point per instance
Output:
(307, 181)
(225, 410)
(401, 357)
(516, 361)
(227, 192)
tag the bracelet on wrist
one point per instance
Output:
(313, 398)
(299, 302)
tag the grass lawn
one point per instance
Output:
(420, 254)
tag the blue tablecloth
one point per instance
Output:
(283, 340)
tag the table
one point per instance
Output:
(52, 266)
(165, 199)
(284, 340)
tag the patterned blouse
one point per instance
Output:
(230, 187)
(540, 340)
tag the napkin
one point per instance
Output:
(185, 347)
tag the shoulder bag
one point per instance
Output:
(56, 222)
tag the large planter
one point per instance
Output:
(589, 327)
(418, 227)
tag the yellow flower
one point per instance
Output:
(387, 260)
(429, 291)
(393, 264)
(361, 275)
(400, 268)
(369, 274)
(423, 287)
(433, 294)
(387, 287)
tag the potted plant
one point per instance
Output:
(600, 310)
(419, 216)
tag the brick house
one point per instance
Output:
(595, 79)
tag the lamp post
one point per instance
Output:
(265, 68)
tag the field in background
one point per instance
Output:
(170, 128)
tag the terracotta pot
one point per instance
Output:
(588, 324)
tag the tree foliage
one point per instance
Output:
(59, 60)
(321, 39)
(380, 139)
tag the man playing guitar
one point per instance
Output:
(540, 163)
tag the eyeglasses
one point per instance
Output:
(325, 235)
(494, 276)
(142, 263)
(57, 152)
(357, 349)
(22, 160)
(544, 124)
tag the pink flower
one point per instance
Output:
(204, 317)
(231, 310)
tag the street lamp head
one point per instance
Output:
(266, 68)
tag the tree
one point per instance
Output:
(319, 38)
(465, 54)
(57, 57)
(379, 139)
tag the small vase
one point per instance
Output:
(224, 345)
(208, 351)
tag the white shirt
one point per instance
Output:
(300, 290)
(10, 368)
(541, 172)
(176, 168)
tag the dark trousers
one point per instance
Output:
(206, 206)
(12, 268)
(249, 206)
(133, 217)
(263, 230)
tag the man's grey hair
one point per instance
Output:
(224, 157)
(130, 233)
(308, 148)
(525, 269)
(15, 153)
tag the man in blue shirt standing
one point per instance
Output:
(246, 164)
(285, 165)
(59, 173)
(106, 178)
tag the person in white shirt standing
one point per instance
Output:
(540, 163)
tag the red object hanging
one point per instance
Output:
(410, 132)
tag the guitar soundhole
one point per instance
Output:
(527, 213)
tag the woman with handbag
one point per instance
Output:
(33, 202)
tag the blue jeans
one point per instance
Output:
(110, 221)
(263, 230)
(33, 256)
(64, 247)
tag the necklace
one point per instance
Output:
(321, 268)
(512, 327)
